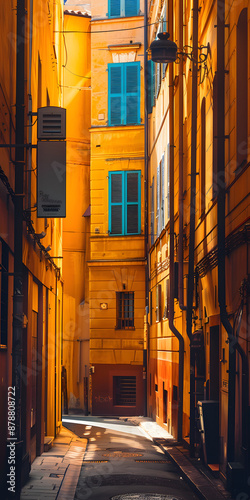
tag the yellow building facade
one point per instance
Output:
(76, 225)
(31, 286)
(117, 238)
(199, 228)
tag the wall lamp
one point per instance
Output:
(164, 50)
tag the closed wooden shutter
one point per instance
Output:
(114, 8)
(115, 94)
(132, 89)
(162, 194)
(132, 189)
(116, 203)
(131, 8)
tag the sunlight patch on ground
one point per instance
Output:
(116, 427)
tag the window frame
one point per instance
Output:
(123, 9)
(121, 320)
(158, 303)
(123, 94)
(124, 203)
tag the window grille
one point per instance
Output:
(124, 391)
(125, 310)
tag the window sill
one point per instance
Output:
(124, 17)
(125, 329)
(122, 235)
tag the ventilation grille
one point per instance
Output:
(51, 123)
(124, 391)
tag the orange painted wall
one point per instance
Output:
(76, 226)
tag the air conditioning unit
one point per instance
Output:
(51, 123)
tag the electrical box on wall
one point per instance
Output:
(51, 123)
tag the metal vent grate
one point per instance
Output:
(51, 123)
(124, 391)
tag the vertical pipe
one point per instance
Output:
(30, 103)
(146, 185)
(18, 236)
(180, 247)
(171, 267)
(190, 288)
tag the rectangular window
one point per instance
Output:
(160, 207)
(124, 203)
(152, 207)
(125, 310)
(151, 308)
(123, 8)
(166, 308)
(4, 294)
(124, 93)
(151, 85)
(124, 391)
(158, 303)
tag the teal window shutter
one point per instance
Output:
(115, 8)
(123, 8)
(115, 94)
(132, 202)
(158, 79)
(132, 97)
(124, 93)
(116, 225)
(162, 194)
(124, 203)
(150, 75)
(131, 8)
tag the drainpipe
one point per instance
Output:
(146, 189)
(30, 103)
(190, 287)
(180, 247)
(18, 238)
(171, 267)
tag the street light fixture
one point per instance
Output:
(164, 50)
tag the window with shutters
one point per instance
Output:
(166, 308)
(160, 202)
(158, 303)
(125, 310)
(124, 203)
(152, 213)
(123, 8)
(151, 85)
(124, 93)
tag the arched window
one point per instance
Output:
(241, 90)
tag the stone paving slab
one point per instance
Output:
(58, 460)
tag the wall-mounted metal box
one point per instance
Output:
(51, 123)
